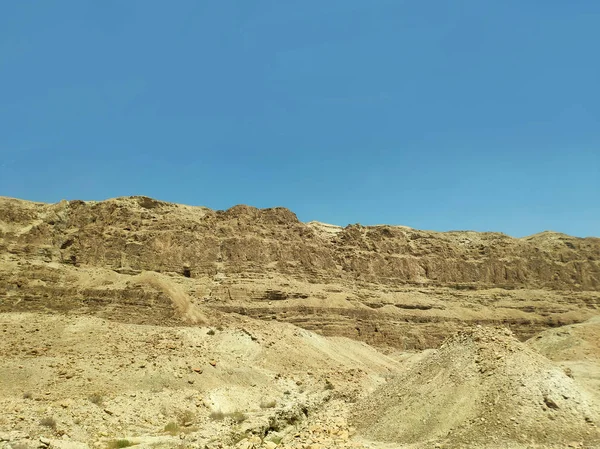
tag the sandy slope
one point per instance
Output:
(482, 389)
(145, 377)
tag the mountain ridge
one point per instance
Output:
(386, 285)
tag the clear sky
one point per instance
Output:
(447, 114)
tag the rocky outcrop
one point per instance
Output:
(140, 233)
(386, 285)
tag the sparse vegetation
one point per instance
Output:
(172, 427)
(96, 398)
(48, 421)
(329, 385)
(237, 416)
(271, 403)
(186, 417)
(211, 332)
(119, 443)
(217, 415)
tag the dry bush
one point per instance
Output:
(185, 417)
(48, 421)
(172, 427)
(271, 403)
(96, 398)
(237, 416)
(217, 415)
(119, 443)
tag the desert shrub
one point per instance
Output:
(328, 385)
(217, 415)
(268, 403)
(172, 427)
(119, 443)
(186, 417)
(211, 332)
(238, 416)
(96, 398)
(48, 421)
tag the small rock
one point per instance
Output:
(213, 362)
(550, 403)
(45, 441)
(245, 444)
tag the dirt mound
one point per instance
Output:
(576, 348)
(574, 342)
(481, 387)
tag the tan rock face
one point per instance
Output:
(388, 285)
(145, 234)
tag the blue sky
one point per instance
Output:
(448, 114)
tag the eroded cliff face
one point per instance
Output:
(139, 233)
(377, 283)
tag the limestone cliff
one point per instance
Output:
(376, 283)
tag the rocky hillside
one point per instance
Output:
(140, 233)
(376, 283)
